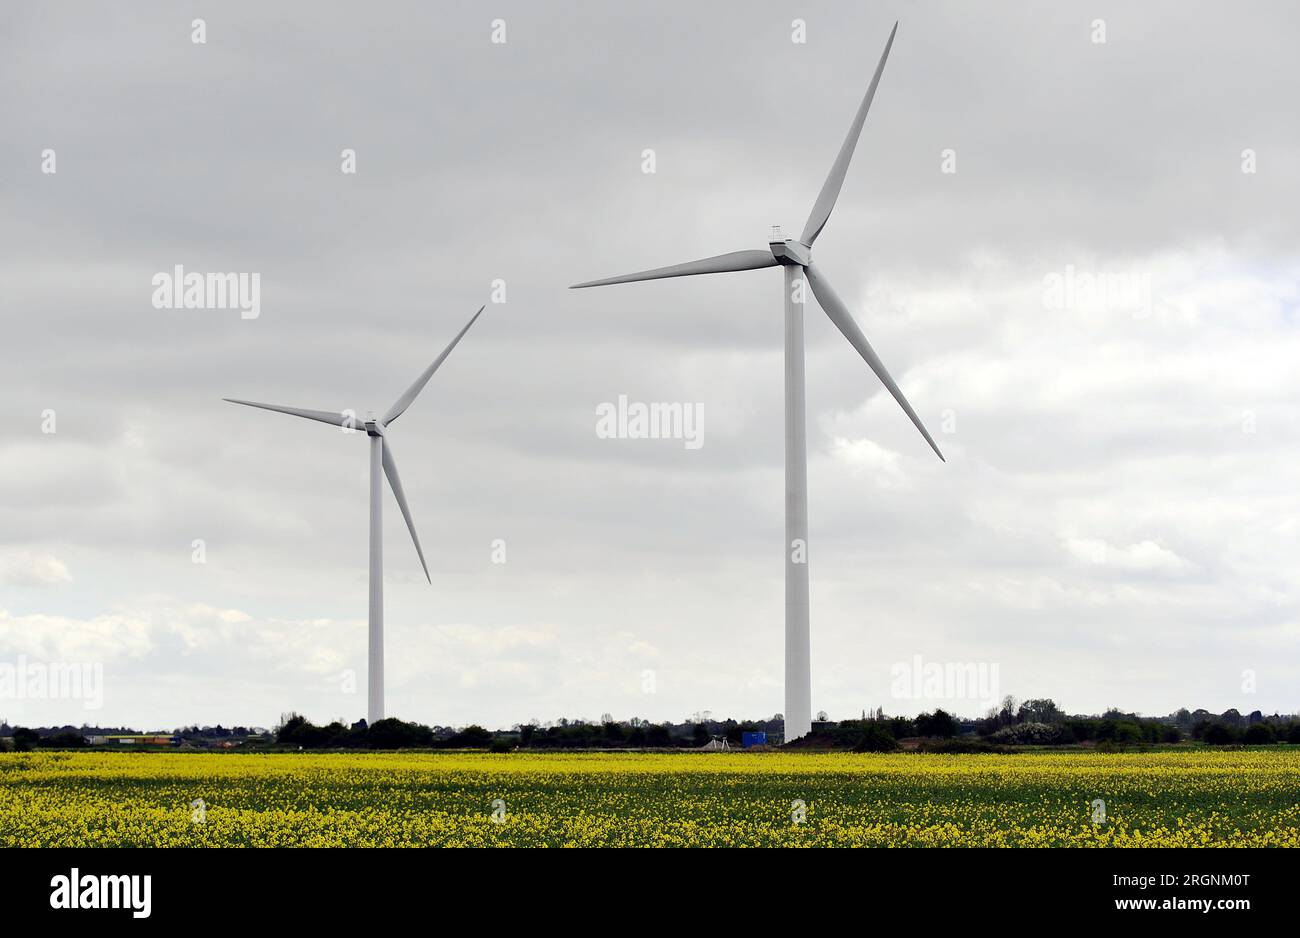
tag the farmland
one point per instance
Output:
(1163, 798)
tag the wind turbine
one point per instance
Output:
(381, 454)
(796, 258)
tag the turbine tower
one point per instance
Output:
(381, 459)
(800, 271)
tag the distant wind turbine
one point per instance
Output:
(381, 453)
(796, 258)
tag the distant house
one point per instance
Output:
(140, 740)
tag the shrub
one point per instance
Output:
(876, 739)
(1216, 734)
(500, 745)
(940, 723)
(299, 731)
(1028, 734)
(1127, 732)
(901, 727)
(1258, 733)
(392, 733)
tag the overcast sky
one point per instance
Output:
(1116, 523)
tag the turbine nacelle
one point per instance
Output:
(789, 252)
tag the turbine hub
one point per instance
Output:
(788, 252)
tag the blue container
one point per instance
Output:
(753, 739)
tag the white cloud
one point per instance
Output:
(863, 456)
(1141, 557)
(20, 567)
(64, 638)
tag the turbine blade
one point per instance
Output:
(831, 187)
(839, 314)
(395, 483)
(324, 416)
(721, 264)
(404, 401)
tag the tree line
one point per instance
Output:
(1035, 722)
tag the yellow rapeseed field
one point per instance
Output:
(1224, 798)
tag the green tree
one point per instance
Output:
(1232, 717)
(1216, 734)
(471, 737)
(875, 739)
(1258, 734)
(1043, 710)
(940, 723)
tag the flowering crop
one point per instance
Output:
(1204, 798)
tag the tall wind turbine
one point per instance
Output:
(796, 258)
(381, 454)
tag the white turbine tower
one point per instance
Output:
(381, 454)
(796, 257)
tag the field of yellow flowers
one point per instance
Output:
(1222, 798)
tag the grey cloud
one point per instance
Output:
(521, 162)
